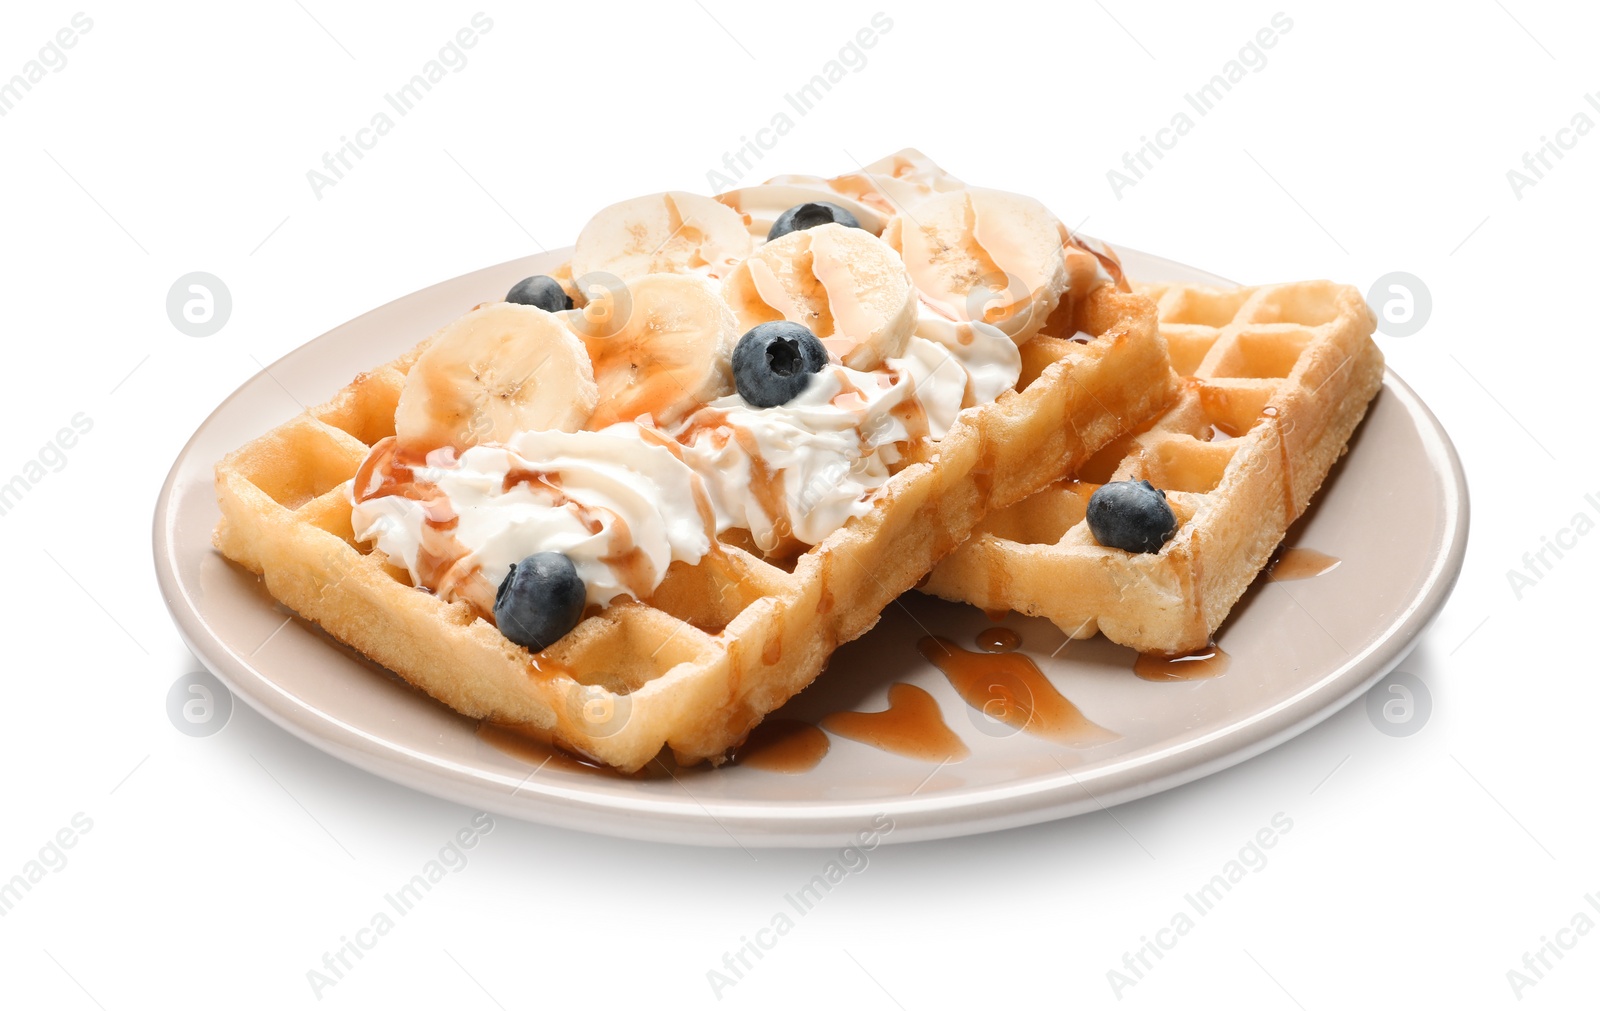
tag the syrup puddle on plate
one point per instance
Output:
(998, 640)
(517, 744)
(775, 745)
(1010, 688)
(511, 741)
(1200, 665)
(1299, 563)
(912, 727)
(782, 745)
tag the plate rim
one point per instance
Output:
(743, 823)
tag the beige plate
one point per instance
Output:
(1394, 512)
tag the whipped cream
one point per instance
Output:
(992, 360)
(619, 503)
(804, 468)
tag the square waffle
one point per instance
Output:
(1274, 381)
(721, 643)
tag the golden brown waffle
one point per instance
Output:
(721, 643)
(1275, 379)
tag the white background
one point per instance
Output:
(219, 870)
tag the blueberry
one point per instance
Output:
(773, 363)
(540, 291)
(1131, 515)
(803, 216)
(540, 600)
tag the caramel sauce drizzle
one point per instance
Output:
(912, 727)
(389, 470)
(1300, 563)
(1285, 459)
(1011, 689)
(782, 745)
(998, 640)
(524, 746)
(1199, 665)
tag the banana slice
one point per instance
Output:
(661, 346)
(762, 205)
(847, 285)
(892, 184)
(984, 255)
(563, 277)
(502, 368)
(663, 233)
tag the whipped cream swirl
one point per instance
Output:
(619, 503)
(803, 469)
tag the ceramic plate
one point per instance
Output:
(1394, 513)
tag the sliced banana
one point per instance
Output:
(844, 283)
(661, 346)
(563, 277)
(1110, 265)
(892, 184)
(663, 233)
(984, 255)
(762, 205)
(501, 369)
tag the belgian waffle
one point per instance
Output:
(1274, 381)
(721, 643)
